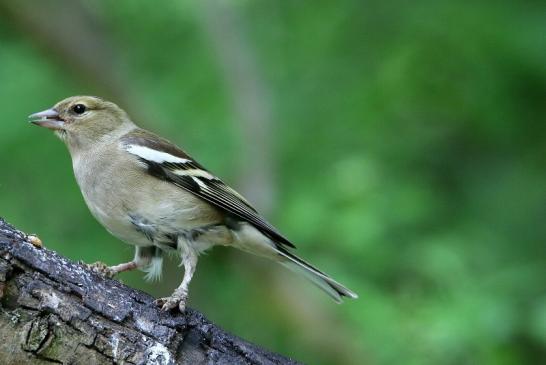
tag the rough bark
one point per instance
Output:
(56, 311)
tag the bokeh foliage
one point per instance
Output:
(407, 143)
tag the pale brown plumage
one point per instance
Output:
(151, 194)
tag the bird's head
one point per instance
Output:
(82, 121)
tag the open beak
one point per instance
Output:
(48, 119)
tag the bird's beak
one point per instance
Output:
(48, 119)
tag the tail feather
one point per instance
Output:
(317, 277)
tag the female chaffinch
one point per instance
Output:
(149, 193)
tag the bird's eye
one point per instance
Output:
(79, 108)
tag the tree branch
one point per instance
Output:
(56, 311)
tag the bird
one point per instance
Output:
(151, 194)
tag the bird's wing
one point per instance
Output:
(165, 161)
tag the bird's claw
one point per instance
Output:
(168, 303)
(100, 268)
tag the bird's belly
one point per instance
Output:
(120, 226)
(142, 210)
(150, 219)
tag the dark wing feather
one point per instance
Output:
(209, 188)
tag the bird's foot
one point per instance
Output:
(100, 268)
(168, 303)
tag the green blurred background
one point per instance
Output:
(400, 145)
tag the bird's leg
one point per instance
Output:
(127, 266)
(179, 296)
(111, 271)
(143, 257)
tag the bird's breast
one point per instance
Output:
(136, 207)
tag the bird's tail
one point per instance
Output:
(317, 277)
